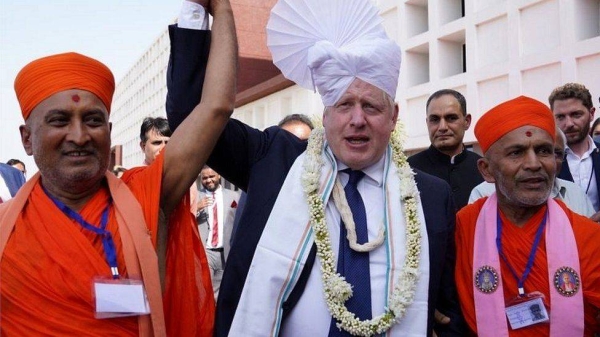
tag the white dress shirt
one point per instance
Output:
(192, 16)
(582, 170)
(4, 191)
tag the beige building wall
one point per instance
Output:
(141, 93)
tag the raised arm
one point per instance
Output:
(193, 140)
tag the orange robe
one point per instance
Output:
(516, 246)
(49, 262)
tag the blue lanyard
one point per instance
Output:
(536, 243)
(107, 241)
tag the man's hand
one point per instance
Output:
(440, 319)
(204, 202)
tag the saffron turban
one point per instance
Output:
(512, 115)
(49, 75)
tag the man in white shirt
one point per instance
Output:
(574, 112)
(357, 80)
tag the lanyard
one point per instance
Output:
(107, 241)
(590, 180)
(536, 242)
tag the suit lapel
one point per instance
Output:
(596, 167)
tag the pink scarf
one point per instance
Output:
(566, 314)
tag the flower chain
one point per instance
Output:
(337, 290)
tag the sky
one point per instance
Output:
(115, 32)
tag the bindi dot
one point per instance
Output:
(75, 98)
(528, 133)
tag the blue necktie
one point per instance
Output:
(354, 266)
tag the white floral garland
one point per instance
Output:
(337, 290)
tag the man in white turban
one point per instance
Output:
(339, 229)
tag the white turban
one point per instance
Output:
(328, 44)
(373, 59)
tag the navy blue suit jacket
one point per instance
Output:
(258, 162)
(13, 178)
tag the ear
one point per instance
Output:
(143, 146)
(325, 112)
(467, 121)
(396, 112)
(484, 167)
(26, 139)
(592, 110)
(110, 127)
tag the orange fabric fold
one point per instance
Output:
(187, 278)
(189, 304)
(511, 115)
(46, 76)
(516, 244)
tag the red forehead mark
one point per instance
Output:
(75, 98)
(528, 133)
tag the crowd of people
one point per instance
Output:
(334, 231)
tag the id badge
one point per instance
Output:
(119, 298)
(527, 310)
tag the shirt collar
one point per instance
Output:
(373, 172)
(444, 158)
(591, 148)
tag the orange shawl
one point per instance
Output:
(517, 243)
(55, 288)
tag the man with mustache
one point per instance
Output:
(564, 190)
(574, 112)
(447, 157)
(83, 252)
(539, 238)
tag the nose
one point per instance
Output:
(532, 161)
(568, 122)
(357, 117)
(78, 133)
(443, 125)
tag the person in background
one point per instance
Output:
(447, 157)
(216, 213)
(574, 112)
(154, 136)
(595, 131)
(297, 124)
(11, 180)
(19, 165)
